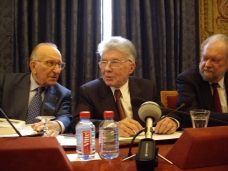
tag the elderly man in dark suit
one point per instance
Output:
(117, 63)
(195, 85)
(18, 89)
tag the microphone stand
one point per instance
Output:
(133, 157)
(144, 161)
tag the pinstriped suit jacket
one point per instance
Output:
(14, 95)
(97, 97)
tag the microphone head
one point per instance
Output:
(150, 109)
(137, 101)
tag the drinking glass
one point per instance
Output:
(199, 118)
(45, 120)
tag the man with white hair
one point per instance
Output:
(207, 82)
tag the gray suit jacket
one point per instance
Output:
(97, 97)
(197, 93)
(14, 95)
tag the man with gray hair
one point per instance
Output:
(210, 79)
(116, 64)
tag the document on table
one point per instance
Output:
(26, 130)
(155, 137)
(67, 141)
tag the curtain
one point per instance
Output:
(165, 34)
(73, 25)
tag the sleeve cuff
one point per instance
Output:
(62, 126)
(178, 123)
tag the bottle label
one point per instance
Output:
(86, 139)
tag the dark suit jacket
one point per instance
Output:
(14, 95)
(196, 92)
(97, 97)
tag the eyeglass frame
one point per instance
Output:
(56, 63)
(110, 62)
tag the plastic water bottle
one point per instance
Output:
(109, 137)
(85, 137)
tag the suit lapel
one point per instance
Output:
(51, 98)
(206, 95)
(107, 100)
(21, 93)
(134, 92)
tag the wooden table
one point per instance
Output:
(129, 165)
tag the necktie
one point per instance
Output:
(216, 99)
(119, 105)
(35, 107)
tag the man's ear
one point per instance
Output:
(32, 66)
(132, 68)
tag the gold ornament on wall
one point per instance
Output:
(213, 18)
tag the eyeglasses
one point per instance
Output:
(52, 64)
(112, 63)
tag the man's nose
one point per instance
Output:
(56, 69)
(108, 66)
(208, 63)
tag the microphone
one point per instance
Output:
(146, 157)
(137, 101)
(183, 104)
(16, 130)
(150, 113)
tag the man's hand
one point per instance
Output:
(128, 127)
(165, 126)
(53, 128)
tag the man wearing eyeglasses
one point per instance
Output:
(116, 64)
(18, 92)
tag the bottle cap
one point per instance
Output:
(84, 114)
(108, 114)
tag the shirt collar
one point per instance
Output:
(33, 84)
(123, 89)
(221, 83)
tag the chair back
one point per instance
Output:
(169, 98)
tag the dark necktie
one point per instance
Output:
(216, 99)
(35, 107)
(119, 105)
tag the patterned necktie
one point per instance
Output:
(216, 99)
(35, 107)
(119, 105)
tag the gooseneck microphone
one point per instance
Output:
(16, 130)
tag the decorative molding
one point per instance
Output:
(213, 18)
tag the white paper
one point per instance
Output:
(175, 135)
(26, 130)
(68, 141)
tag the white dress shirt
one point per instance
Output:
(125, 99)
